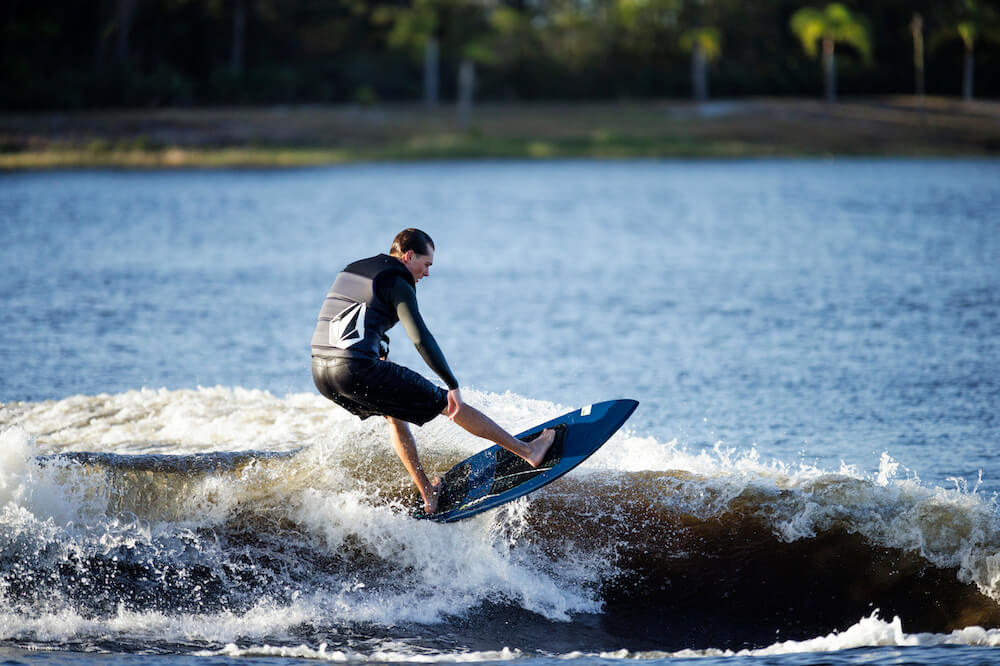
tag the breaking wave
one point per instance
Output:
(234, 522)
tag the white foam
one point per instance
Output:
(344, 488)
(868, 632)
(177, 422)
(337, 489)
(15, 451)
(386, 654)
(219, 419)
(65, 626)
(451, 567)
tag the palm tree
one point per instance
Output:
(705, 45)
(967, 31)
(835, 23)
(975, 23)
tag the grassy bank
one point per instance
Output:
(305, 136)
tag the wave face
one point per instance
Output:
(195, 519)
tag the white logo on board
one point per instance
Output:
(348, 328)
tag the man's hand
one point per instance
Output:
(454, 403)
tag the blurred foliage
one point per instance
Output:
(709, 40)
(834, 23)
(117, 53)
(971, 22)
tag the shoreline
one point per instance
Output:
(276, 137)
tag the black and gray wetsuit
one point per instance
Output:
(367, 299)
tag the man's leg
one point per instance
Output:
(480, 425)
(406, 448)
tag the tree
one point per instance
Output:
(967, 30)
(835, 23)
(704, 45)
(462, 28)
(973, 23)
(416, 28)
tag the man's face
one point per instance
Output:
(419, 265)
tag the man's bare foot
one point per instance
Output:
(432, 497)
(540, 446)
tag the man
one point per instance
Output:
(350, 358)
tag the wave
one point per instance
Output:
(214, 516)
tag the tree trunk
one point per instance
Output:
(917, 28)
(431, 73)
(699, 73)
(967, 74)
(829, 71)
(239, 36)
(466, 88)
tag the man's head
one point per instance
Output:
(416, 250)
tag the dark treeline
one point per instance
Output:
(107, 53)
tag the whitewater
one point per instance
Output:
(232, 522)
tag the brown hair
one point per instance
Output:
(411, 239)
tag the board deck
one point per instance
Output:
(496, 476)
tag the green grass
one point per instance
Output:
(309, 136)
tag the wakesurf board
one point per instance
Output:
(496, 476)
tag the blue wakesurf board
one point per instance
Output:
(496, 476)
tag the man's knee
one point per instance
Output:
(398, 424)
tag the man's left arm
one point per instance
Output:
(404, 299)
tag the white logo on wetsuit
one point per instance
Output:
(348, 328)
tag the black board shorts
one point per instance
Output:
(367, 387)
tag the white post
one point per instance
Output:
(466, 89)
(431, 73)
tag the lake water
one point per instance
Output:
(810, 475)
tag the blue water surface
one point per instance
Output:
(819, 312)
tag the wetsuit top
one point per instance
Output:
(367, 299)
